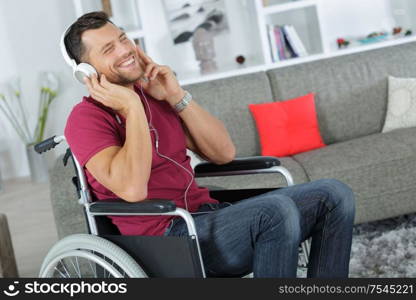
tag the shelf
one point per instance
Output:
(306, 23)
(367, 47)
(295, 61)
(279, 8)
(247, 34)
(229, 70)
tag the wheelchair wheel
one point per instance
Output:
(89, 256)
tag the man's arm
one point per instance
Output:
(191, 145)
(123, 170)
(206, 135)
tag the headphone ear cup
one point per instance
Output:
(84, 70)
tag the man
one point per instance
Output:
(131, 137)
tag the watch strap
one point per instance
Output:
(181, 105)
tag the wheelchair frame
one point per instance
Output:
(238, 167)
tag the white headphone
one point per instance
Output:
(79, 70)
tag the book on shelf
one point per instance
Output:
(285, 42)
(273, 43)
(295, 41)
(282, 50)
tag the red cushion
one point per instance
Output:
(288, 127)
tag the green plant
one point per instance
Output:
(11, 106)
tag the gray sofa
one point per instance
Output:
(351, 99)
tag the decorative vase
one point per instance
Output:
(203, 44)
(37, 165)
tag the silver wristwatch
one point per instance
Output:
(184, 102)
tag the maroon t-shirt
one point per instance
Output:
(92, 127)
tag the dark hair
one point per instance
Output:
(72, 40)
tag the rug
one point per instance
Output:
(382, 249)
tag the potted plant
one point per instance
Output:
(12, 108)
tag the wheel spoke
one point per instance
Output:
(112, 264)
(79, 271)
(94, 271)
(66, 271)
(75, 269)
(62, 274)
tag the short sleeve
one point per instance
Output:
(89, 130)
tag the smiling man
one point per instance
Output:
(131, 136)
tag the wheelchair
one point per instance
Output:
(105, 253)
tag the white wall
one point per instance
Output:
(9, 69)
(401, 9)
(29, 35)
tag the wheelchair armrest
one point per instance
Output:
(156, 206)
(242, 165)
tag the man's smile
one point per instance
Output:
(128, 63)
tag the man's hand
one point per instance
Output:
(117, 97)
(162, 83)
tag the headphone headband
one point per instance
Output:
(70, 61)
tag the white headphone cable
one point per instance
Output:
(164, 156)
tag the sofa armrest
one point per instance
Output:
(117, 206)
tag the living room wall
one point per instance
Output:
(29, 46)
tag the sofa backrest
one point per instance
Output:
(351, 94)
(228, 100)
(351, 91)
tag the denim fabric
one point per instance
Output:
(262, 234)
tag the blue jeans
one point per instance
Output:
(262, 234)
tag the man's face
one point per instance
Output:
(112, 53)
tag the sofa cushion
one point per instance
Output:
(404, 136)
(287, 128)
(401, 104)
(351, 90)
(258, 180)
(227, 99)
(376, 167)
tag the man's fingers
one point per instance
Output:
(154, 72)
(96, 93)
(100, 97)
(164, 70)
(88, 83)
(142, 62)
(98, 85)
(104, 82)
(94, 81)
(97, 82)
(149, 69)
(143, 56)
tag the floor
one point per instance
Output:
(32, 226)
